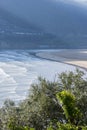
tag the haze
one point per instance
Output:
(66, 20)
(44, 13)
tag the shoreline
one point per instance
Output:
(77, 57)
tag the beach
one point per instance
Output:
(76, 57)
(21, 68)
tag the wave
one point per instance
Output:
(19, 69)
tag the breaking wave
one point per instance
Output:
(19, 69)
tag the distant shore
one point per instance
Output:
(75, 57)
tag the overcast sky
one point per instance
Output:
(81, 1)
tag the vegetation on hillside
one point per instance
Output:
(58, 105)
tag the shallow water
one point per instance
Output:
(19, 69)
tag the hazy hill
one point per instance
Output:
(44, 24)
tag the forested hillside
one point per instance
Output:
(42, 24)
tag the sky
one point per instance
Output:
(79, 1)
(82, 2)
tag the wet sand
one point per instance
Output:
(76, 57)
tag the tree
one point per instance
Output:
(68, 104)
(42, 107)
(76, 83)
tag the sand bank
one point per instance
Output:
(77, 57)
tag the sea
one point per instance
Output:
(20, 68)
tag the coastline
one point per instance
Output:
(75, 57)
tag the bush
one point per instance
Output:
(62, 102)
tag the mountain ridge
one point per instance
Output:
(64, 23)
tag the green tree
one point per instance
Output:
(76, 83)
(41, 106)
(68, 104)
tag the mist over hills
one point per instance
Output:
(42, 24)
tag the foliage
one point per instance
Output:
(67, 126)
(42, 107)
(68, 102)
(62, 102)
(76, 83)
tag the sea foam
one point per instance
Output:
(19, 69)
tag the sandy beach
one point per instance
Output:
(76, 57)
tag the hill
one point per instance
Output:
(43, 24)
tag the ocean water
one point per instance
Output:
(19, 69)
